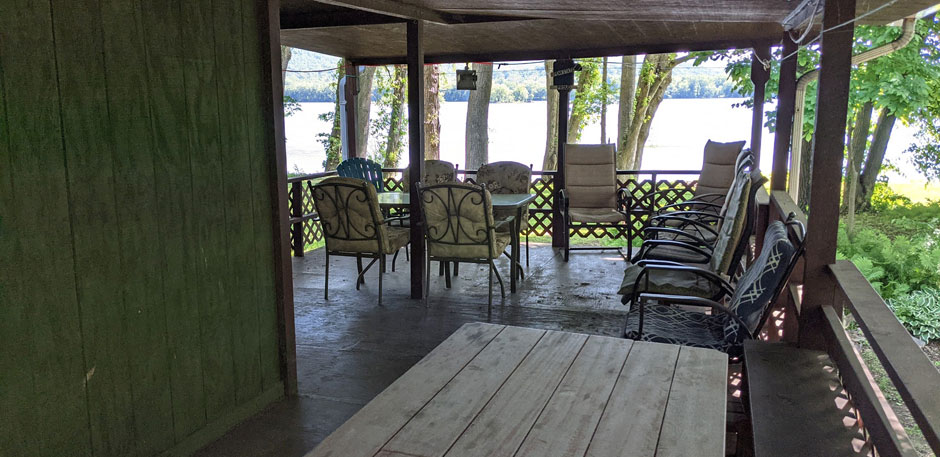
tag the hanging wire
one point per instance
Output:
(817, 37)
(809, 27)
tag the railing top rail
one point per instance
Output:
(912, 373)
(309, 176)
(554, 172)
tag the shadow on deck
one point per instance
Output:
(349, 349)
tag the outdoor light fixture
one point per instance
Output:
(466, 79)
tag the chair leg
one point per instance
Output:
(326, 279)
(527, 250)
(381, 273)
(567, 241)
(440, 268)
(489, 300)
(427, 282)
(447, 274)
(502, 291)
(359, 278)
(395, 257)
(456, 268)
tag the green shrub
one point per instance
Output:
(895, 267)
(919, 312)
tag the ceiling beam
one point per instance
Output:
(629, 15)
(390, 8)
(335, 19)
(573, 53)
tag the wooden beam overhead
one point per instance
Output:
(388, 8)
(335, 19)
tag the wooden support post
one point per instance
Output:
(269, 14)
(351, 94)
(759, 76)
(416, 151)
(786, 100)
(828, 151)
(559, 229)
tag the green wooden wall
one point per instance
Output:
(137, 300)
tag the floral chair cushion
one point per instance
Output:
(435, 172)
(459, 222)
(506, 178)
(351, 218)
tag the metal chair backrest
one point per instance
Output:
(591, 175)
(458, 220)
(435, 172)
(720, 162)
(732, 225)
(505, 177)
(357, 167)
(348, 209)
(764, 280)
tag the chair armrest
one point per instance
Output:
(689, 204)
(689, 215)
(691, 301)
(651, 233)
(650, 245)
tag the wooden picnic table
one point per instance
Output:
(495, 390)
(517, 202)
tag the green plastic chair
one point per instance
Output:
(363, 169)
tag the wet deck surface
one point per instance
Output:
(349, 349)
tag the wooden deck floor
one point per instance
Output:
(349, 349)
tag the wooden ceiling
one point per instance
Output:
(373, 31)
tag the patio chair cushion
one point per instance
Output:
(435, 172)
(352, 220)
(758, 285)
(667, 282)
(596, 215)
(506, 178)
(677, 325)
(676, 254)
(591, 176)
(458, 217)
(718, 167)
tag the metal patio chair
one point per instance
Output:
(353, 226)
(459, 227)
(592, 198)
(721, 259)
(508, 178)
(368, 170)
(667, 318)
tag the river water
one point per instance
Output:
(517, 132)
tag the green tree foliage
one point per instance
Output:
(390, 125)
(901, 85)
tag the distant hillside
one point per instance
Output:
(511, 83)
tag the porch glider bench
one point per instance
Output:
(797, 403)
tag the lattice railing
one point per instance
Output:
(305, 227)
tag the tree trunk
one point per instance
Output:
(876, 157)
(285, 59)
(478, 109)
(604, 102)
(334, 142)
(576, 119)
(858, 139)
(550, 159)
(627, 102)
(432, 111)
(645, 127)
(396, 127)
(806, 175)
(655, 75)
(363, 110)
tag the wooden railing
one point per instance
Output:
(305, 227)
(915, 378)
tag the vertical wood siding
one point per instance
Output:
(137, 301)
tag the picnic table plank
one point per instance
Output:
(694, 423)
(567, 423)
(367, 431)
(630, 427)
(442, 420)
(502, 425)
